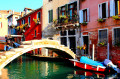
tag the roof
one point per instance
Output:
(30, 13)
(15, 13)
(5, 11)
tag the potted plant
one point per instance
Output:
(103, 43)
(84, 23)
(37, 21)
(101, 20)
(116, 17)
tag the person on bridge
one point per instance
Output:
(15, 45)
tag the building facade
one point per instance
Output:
(100, 25)
(12, 22)
(67, 33)
(4, 22)
(30, 26)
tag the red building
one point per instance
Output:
(30, 24)
(100, 25)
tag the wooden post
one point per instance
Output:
(108, 51)
(93, 52)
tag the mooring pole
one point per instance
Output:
(108, 51)
(93, 52)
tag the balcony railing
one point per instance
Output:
(67, 20)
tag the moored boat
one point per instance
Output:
(88, 64)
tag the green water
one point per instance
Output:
(29, 68)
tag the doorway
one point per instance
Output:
(86, 42)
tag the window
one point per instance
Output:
(72, 9)
(114, 7)
(28, 20)
(103, 10)
(49, 0)
(38, 16)
(35, 33)
(84, 15)
(23, 21)
(50, 12)
(0, 24)
(0, 16)
(103, 36)
(16, 18)
(63, 11)
(116, 35)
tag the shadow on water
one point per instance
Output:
(25, 67)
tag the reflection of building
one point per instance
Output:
(4, 22)
(4, 74)
(67, 33)
(30, 25)
(100, 26)
(12, 22)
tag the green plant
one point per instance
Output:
(103, 43)
(84, 23)
(100, 20)
(116, 17)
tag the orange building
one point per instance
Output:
(100, 25)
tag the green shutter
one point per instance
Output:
(66, 9)
(51, 15)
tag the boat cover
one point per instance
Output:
(86, 60)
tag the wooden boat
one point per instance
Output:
(87, 66)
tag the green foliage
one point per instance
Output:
(100, 20)
(116, 17)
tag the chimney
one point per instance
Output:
(22, 13)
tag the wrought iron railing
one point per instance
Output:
(65, 20)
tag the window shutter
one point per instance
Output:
(119, 7)
(100, 11)
(81, 16)
(106, 9)
(66, 9)
(112, 7)
(88, 15)
(51, 15)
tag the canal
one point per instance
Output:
(29, 68)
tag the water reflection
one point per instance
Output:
(4, 74)
(29, 68)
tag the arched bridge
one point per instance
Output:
(7, 56)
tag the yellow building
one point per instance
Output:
(4, 22)
(51, 13)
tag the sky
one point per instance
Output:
(19, 5)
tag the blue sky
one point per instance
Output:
(19, 5)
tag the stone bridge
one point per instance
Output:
(7, 56)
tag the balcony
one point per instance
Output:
(66, 21)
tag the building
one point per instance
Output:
(30, 25)
(67, 33)
(12, 22)
(4, 22)
(100, 25)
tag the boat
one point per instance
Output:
(89, 64)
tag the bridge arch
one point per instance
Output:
(34, 44)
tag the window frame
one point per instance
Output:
(39, 16)
(29, 19)
(113, 43)
(81, 15)
(100, 9)
(35, 33)
(50, 16)
(107, 35)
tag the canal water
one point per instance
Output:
(29, 68)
